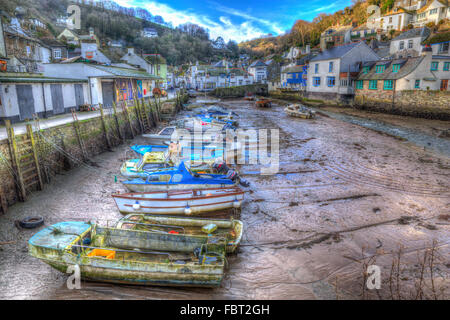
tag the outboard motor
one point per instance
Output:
(221, 167)
(232, 175)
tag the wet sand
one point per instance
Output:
(343, 191)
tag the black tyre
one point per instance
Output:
(31, 222)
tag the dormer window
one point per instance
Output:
(379, 69)
(366, 70)
(396, 67)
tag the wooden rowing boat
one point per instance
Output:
(264, 103)
(131, 256)
(299, 111)
(180, 202)
(186, 228)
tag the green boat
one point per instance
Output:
(197, 229)
(130, 256)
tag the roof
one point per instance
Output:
(258, 63)
(52, 42)
(414, 33)
(335, 52)
(293, 69)
(36, 79)
(441, 57)
(429, 3)
(221, 64)
(125, 72)
(155, 58)
(408, 66)
(382, 52)
(395, 11)
(438, 38)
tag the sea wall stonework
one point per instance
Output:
(417, 103)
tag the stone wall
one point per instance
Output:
(241, 91)
(59, 149)
(416, 103)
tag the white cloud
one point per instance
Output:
(224, 27)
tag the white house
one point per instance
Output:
(134, 59)
(332, 72)
(396, 19)
(433, 11)
(90, 51)
(149, 33)
(409, 43)
(205, 77)
(258, 70)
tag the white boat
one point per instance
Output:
(180, 202)
(299, 111)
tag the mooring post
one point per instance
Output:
(15, 161)
(145, 110)
(35, 155)
(136, 109)
(77, 133)
(105, 131)
(117, 121)
(3, 202)
(127, 114)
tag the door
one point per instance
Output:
(25, 100)
(79, 96)
(444, 84)
(108, 94)
(57, 98)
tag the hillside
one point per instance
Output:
(187, 43)
(304, 32)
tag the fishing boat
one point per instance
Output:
(192, 154)
(187, 229)
(180, 202)
(131, 256)
(177, 178)
(264, 103)
(163, 137)
(299, 111)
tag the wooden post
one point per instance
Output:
(35, 155)
(136, 108)
(105, 131)
(128, 118)
(145, 109)
(15, 160)
(3, 202)
(117, 121)
(77, 133)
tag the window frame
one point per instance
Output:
(333, 81)
(388, 85)
(380, 68)
(396, 68)
(371, 87)
(330, 66)
(417, 84)
(316, 81)
(360, 84)
(446, 66)
(434, 66)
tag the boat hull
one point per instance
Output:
(231, 198)
(170, 187)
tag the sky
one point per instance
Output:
(238, 20)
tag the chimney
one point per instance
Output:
(427, 50)
(130, 51)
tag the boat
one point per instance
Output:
(131, 256)
(177, 178)
(264, 103)
(188, 229)
(137, 168)
(299, 111)
(180, 202)
(163, 137)
(193, 154)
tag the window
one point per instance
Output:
(395, 67)
(359, 84)
(373, 84)
(390, 19)
(366, 70)
(330, 67)
(388, 84)
(443, 47)
(433, 11)
(316, 68)
(417, 84)
(57, 53)
(410, 44)
(331, 81)
(446, 66)
(379, 69)
(434, 66)
(316, 81)
(402, 45)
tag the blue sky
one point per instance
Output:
(238, 19)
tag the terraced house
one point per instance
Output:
(208, 77)
(385, 81)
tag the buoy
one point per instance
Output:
(187, 210)
(236, 204)
(137, 205)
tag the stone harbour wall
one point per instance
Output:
(241, 91)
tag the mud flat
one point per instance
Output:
(343, 194)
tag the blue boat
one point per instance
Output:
(143, 149)
(196, 153)
(177, 178)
